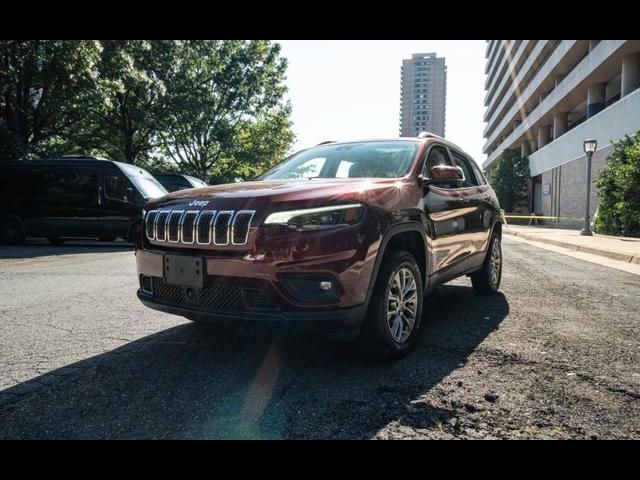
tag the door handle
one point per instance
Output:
(100, 191)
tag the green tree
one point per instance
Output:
(46, 87)
(122, 125)
(510, 180)
(224, 114)
(618, 186)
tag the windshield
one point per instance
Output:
(148, 187)
(390, 159)
(196, 182)
(146, 184)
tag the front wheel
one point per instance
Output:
(390, 329)
(487, 279)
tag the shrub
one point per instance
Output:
(510, 180)
(618, 186)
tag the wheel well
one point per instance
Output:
(497, 229)
(412, 242)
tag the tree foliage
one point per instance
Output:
(224, 115)
(214, 109)
(45, 86)
(619, 190)
(510, 180)
(121, 123)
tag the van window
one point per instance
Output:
(116, 185)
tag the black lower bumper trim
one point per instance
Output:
(332, 320)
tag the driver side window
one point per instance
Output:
(116, 186)
(438, 155)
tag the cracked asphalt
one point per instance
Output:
(555, 355)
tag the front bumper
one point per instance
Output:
(323, 320)
(240, 289)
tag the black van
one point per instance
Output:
(177, 181)
(74, 196)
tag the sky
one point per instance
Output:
(350, 89)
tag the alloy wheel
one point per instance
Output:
(402, 304)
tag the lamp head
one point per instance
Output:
(590, 145)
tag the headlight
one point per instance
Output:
(317, 218)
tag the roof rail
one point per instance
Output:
(326, 141)
(429, 135)
(90, 157)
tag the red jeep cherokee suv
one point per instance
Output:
(345, 235)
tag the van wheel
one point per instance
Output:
(390, 329)
(487, 279)
(55, 240)
(11, 232)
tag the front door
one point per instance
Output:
(447, 214)
(117, 211)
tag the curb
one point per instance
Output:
(624, 257)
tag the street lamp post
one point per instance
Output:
(590, 146)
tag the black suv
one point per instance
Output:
(341, 236)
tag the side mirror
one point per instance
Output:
(443, 174)
(128, 195)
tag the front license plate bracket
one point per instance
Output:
(183, 270)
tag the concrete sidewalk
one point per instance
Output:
(622, 249)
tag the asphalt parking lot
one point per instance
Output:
(555, 355)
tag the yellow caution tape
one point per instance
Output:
(542, 217)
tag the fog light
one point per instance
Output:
(311, 288)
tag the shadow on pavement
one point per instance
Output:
(206, 381)
(33, 248)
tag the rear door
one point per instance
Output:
(447, 213)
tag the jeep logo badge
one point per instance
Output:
(199, 203)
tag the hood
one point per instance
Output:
(285, 193)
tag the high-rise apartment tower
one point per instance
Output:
(423, 91)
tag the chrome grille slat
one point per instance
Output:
(204, 225)
(221, 229)
(161, 225)
(195, 227)
(173, 226)
(187, 226)
(240, 226)
(150, 224)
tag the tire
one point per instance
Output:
(55, 240)
(395, 337)
(487, 280)
(11, 232)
